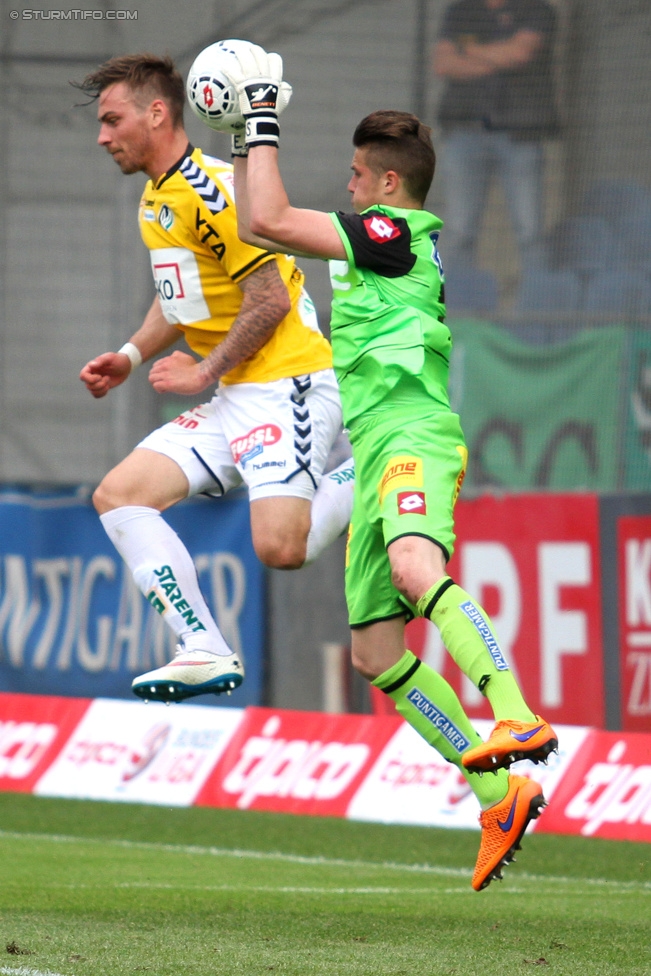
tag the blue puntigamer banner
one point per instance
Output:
(73, 622)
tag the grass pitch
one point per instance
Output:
(96, 889)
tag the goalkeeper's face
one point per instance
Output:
(367, 187)
(125, 130)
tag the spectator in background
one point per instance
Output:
(497, 107)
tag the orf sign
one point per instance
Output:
(532, 561)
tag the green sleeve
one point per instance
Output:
(344, 237)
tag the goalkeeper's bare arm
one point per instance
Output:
(281, 227)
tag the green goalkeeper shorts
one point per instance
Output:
(408, 474)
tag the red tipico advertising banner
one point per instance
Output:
(33, 731)
(363, 767)
(297, 762)
(606, 791)
(532, 562)
(634, 583)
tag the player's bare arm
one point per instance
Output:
(264, 306)
(112, 368)
(244, 231)
(271, 216)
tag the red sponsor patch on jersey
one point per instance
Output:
(381, 229)
(411, 503)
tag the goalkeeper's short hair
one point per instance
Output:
(146, 75)
(401, 142)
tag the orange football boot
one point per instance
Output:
(502, 827)
(510, 741)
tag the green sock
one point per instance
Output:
(468, 634)
(429, 704)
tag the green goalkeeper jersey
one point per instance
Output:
(391, 347)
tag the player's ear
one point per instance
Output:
(158, 112)
(391, 181)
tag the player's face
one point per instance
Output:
(124, 129)
(366, 186)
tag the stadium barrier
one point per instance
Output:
(565, 577)
(361, 767)
(72, 621)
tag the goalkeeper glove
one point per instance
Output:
(239, 143)
(261, 98)
(257, 79)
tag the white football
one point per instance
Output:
(210, 92)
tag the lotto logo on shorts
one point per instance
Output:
(401, 472)
(411, 503)
(251, 444)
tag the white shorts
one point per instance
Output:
(273, 437)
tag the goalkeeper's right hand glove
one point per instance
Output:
(261, 95)
(239, 142)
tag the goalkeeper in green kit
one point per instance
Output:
(391, 355)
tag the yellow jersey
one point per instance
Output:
(188, 222)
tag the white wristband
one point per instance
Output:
(135, 357)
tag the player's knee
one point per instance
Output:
(363, 665)
(102, 499)
(277, 553)
(111, 493)
(404, 580)
(416, 565)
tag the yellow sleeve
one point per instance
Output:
(217, 230)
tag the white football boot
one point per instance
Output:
(190, 673)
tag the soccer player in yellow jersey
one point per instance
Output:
(276, 412)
